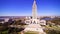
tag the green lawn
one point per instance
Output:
(30, 32)
(4, 32)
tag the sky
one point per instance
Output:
(24, 7)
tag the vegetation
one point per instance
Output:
(52, 30)
(56, 21)
(29, 32)
(6, 29)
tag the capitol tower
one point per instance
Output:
(34, 10)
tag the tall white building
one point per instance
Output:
(34, 19)
(34, 23)
(34, 10)
(34, 15)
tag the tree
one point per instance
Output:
(56, 21)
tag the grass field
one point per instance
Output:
(31, 32)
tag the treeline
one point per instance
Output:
(5, 29)
(56, 21)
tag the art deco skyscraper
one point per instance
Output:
(34, 10)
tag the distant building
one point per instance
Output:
(6, 19)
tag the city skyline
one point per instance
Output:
(24, 7)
